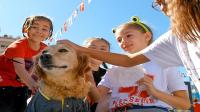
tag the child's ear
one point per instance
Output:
(148, 36)
(25, 30)
(49, 36)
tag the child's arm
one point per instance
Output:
(23, 74)
(178, 99)
(112, 58)
(103, 90)
(93, 93)
(103, 104)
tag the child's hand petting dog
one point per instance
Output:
(34, 87)
(89, 77)
(93, 90)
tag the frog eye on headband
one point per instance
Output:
(114, 30)
(136, 20)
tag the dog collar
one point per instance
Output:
(46, 97)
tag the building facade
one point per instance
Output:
(5, 41)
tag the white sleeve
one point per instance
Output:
(105, 81)
(163, 51)
(174, 80)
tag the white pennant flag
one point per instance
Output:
(89, 1)
(56, 36)
(75, 13)
(61, 32)
(69, 21)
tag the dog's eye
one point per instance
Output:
(44, 52)
(62, 50)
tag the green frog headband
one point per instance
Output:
(136, 20)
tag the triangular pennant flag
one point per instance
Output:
(89, 1)
(56, 36)
(69, 21)
(65, 27)
(61, 30)
(82, 6)
(51, 39)
(75, 13)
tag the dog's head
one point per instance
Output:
(59, 60)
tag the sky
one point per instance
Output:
(97, 20)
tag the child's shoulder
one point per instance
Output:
(18, 43)
(22, 41)
(16, 49)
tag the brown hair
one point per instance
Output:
(185, 19)
(101, 39)
(97, 38)
(30, 20)
(137, 27)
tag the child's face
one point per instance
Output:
(98, 45)
(131, 40)
(39, 30)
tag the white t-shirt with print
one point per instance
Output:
(170, 51)
(167, 80)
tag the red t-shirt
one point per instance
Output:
(18, 49)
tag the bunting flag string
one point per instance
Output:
(68, 23)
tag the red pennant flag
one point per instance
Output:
(51, 39)
(65, 27)
(82, 6)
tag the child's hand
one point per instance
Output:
(34, 90)
(70, 44)
(147, 81)
(89, 77)
(33, 86)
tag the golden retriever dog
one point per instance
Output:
(63, 85)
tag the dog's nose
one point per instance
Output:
(45, 57)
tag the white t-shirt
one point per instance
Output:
(170, 51)
(167, 80)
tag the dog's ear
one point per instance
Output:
(38, 70)
(83, 64)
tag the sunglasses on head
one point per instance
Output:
(157, 4)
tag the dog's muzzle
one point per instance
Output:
(46, 61)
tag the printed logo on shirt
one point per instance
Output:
(132, 95)
(132, 100)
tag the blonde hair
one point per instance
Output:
(185, 19)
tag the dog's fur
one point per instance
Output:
(63, 72)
